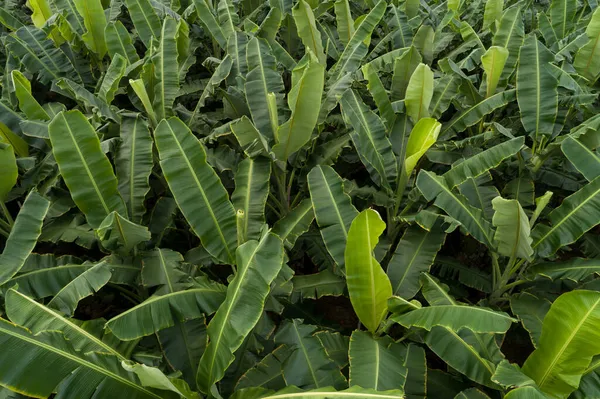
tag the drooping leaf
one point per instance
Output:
(37, 317)
(368, 285)
(295, 223)
(457, 317)
(531, 311)
(95, 373)
(161, 311)
(84, 285)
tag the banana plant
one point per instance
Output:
(299, 199)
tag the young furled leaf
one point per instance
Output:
(368, 285)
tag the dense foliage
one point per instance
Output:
(299, 199)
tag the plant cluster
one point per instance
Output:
(299, 199)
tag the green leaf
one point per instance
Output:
(36, 317)
(144, 19)
(455, 205)
(118, 234)
(525, 393)
(23, 236)
(478, 164)
(197, 189)
(330, 393)
(586, 61)
(422, 137)
(261, 80)
(295, 223)
(368, 285)
(463, 352)
(457, 317)
(304, 100)
(492, 13)
(419, 93)
(512, 229)
(576, 269)
(345, 23)
(112, 78)
(250, 195)
(356, 49)
(183, 345)
(95, 22)
(85, 169)
(370, 139)
(134, 164)
(493, 62)
(333, 210)
(585, 160)
(562, 13)
(510, 375)
(208, 19)
(404, 67)
(307, 29)
(258, 262)
(373, 364)
(8, 170)
(27, 103)
(162, 311)
(252, 142)
(474, 114)
(166, 70)
(531, 311)
(577, 214)
(379, 94)
(309, 366)
(317, 285)
(570, 338)
(268, 373)
(82, 286)
(471, 393)
(96, 374)
(118, 41)
(537, 86)
(414, 254)
(221, 73)
(415, 362)
(39, 55)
